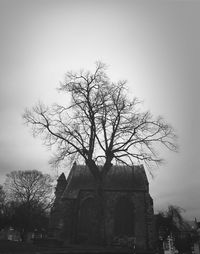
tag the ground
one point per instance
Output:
(10, 247)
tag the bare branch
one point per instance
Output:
(101, 124)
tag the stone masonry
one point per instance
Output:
(128, 208)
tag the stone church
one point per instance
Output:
(128, 207)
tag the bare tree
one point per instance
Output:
(2, 205)
(29, 196)
(29, 187)
(171, 223)
(101, 126)
(2, 195)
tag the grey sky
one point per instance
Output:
(155, 45)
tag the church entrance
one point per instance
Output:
(124, 218)
(88, 230)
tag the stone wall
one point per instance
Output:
(66, 213)
(150, 222)
(143, 215)
(137, 198)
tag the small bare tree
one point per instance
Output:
(171, 223)
(29, 197)
(101, 125)
(2, 196)
(29, 187)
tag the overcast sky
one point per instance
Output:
(155, 45)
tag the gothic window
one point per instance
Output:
(124, 217)
(88, 222)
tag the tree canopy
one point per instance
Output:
(2, 195)
(171, 223)
(29, 187)
(101, 125)
(28, 199)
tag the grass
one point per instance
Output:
(10, 247)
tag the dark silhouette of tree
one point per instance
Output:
(26, 218)
(101, 125)
(171, 223)
(29, 197)
(2, 207)
(29, 187)
(2, 195)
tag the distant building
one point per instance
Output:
(128, 207)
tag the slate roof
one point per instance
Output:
(118, 178)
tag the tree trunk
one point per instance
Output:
(99, 176)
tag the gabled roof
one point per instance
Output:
(61, 178)
(118, 178)
(60, 187)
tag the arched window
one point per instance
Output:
(88, 230)
(124, 217)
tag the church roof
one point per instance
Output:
(118, 178)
